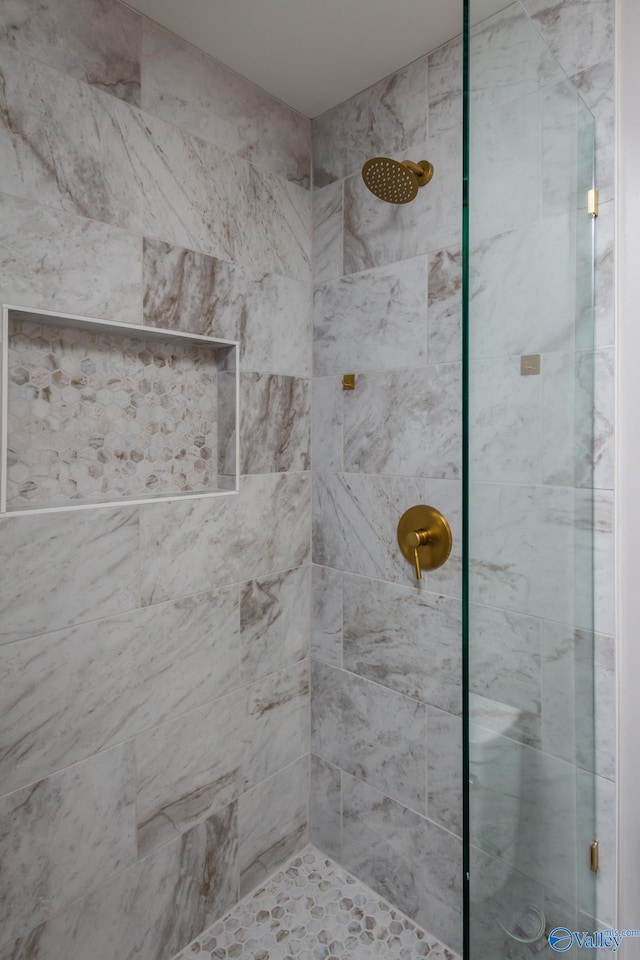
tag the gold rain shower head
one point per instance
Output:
(396, 181)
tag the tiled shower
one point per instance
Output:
(193, 690)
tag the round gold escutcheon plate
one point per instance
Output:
(430, 525)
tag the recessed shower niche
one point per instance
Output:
(96, 412)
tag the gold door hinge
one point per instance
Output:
(595, 856)
(593, 203)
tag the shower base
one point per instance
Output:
(312, 909)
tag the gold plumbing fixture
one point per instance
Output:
(425, 538)
(396, 181)
(349, 381)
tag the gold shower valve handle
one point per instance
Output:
(425, 538)
(415, 539)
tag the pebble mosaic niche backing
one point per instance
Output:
(99, 413)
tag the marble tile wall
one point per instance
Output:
(386, 654)
(155, 674)
(387, 306)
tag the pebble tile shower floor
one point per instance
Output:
(312, 909)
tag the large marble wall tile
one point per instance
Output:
(272, 823)
(376, 232)
(150, 910)
(191, 547)
(326, 424)
(372, 732)
(404, 639)
(547, 826)
(405, 858)
(372, 321)
(567, 382)
(355, 519)
(605, 706)
(277, 710)
(522, 291)
(597, 88)
(510, 61)
(201, 95)
(326, 808)
(444, 307)
(604, 293)
(446, 495)
(507, 163)
(405, 422)
(327, 232)
(604, 410)
(195, 765)
(68, 694)
(275, 424)
(77, 149)
(275, 618)
(522, 555)
(189, 291)
(326, 615)
(505, 665)
(64, 836)
(444, 769)
(389, 117)
(604, 562)
(580, 35)
(97, 41)
(60, 569)
(505, 430)
(56, 261)
(275, 325)
(189, 769)
(270, 315)
(445, 88)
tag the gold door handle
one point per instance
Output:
(425, 538)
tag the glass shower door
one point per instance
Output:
(528, 357)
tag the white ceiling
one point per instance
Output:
(313, 54)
